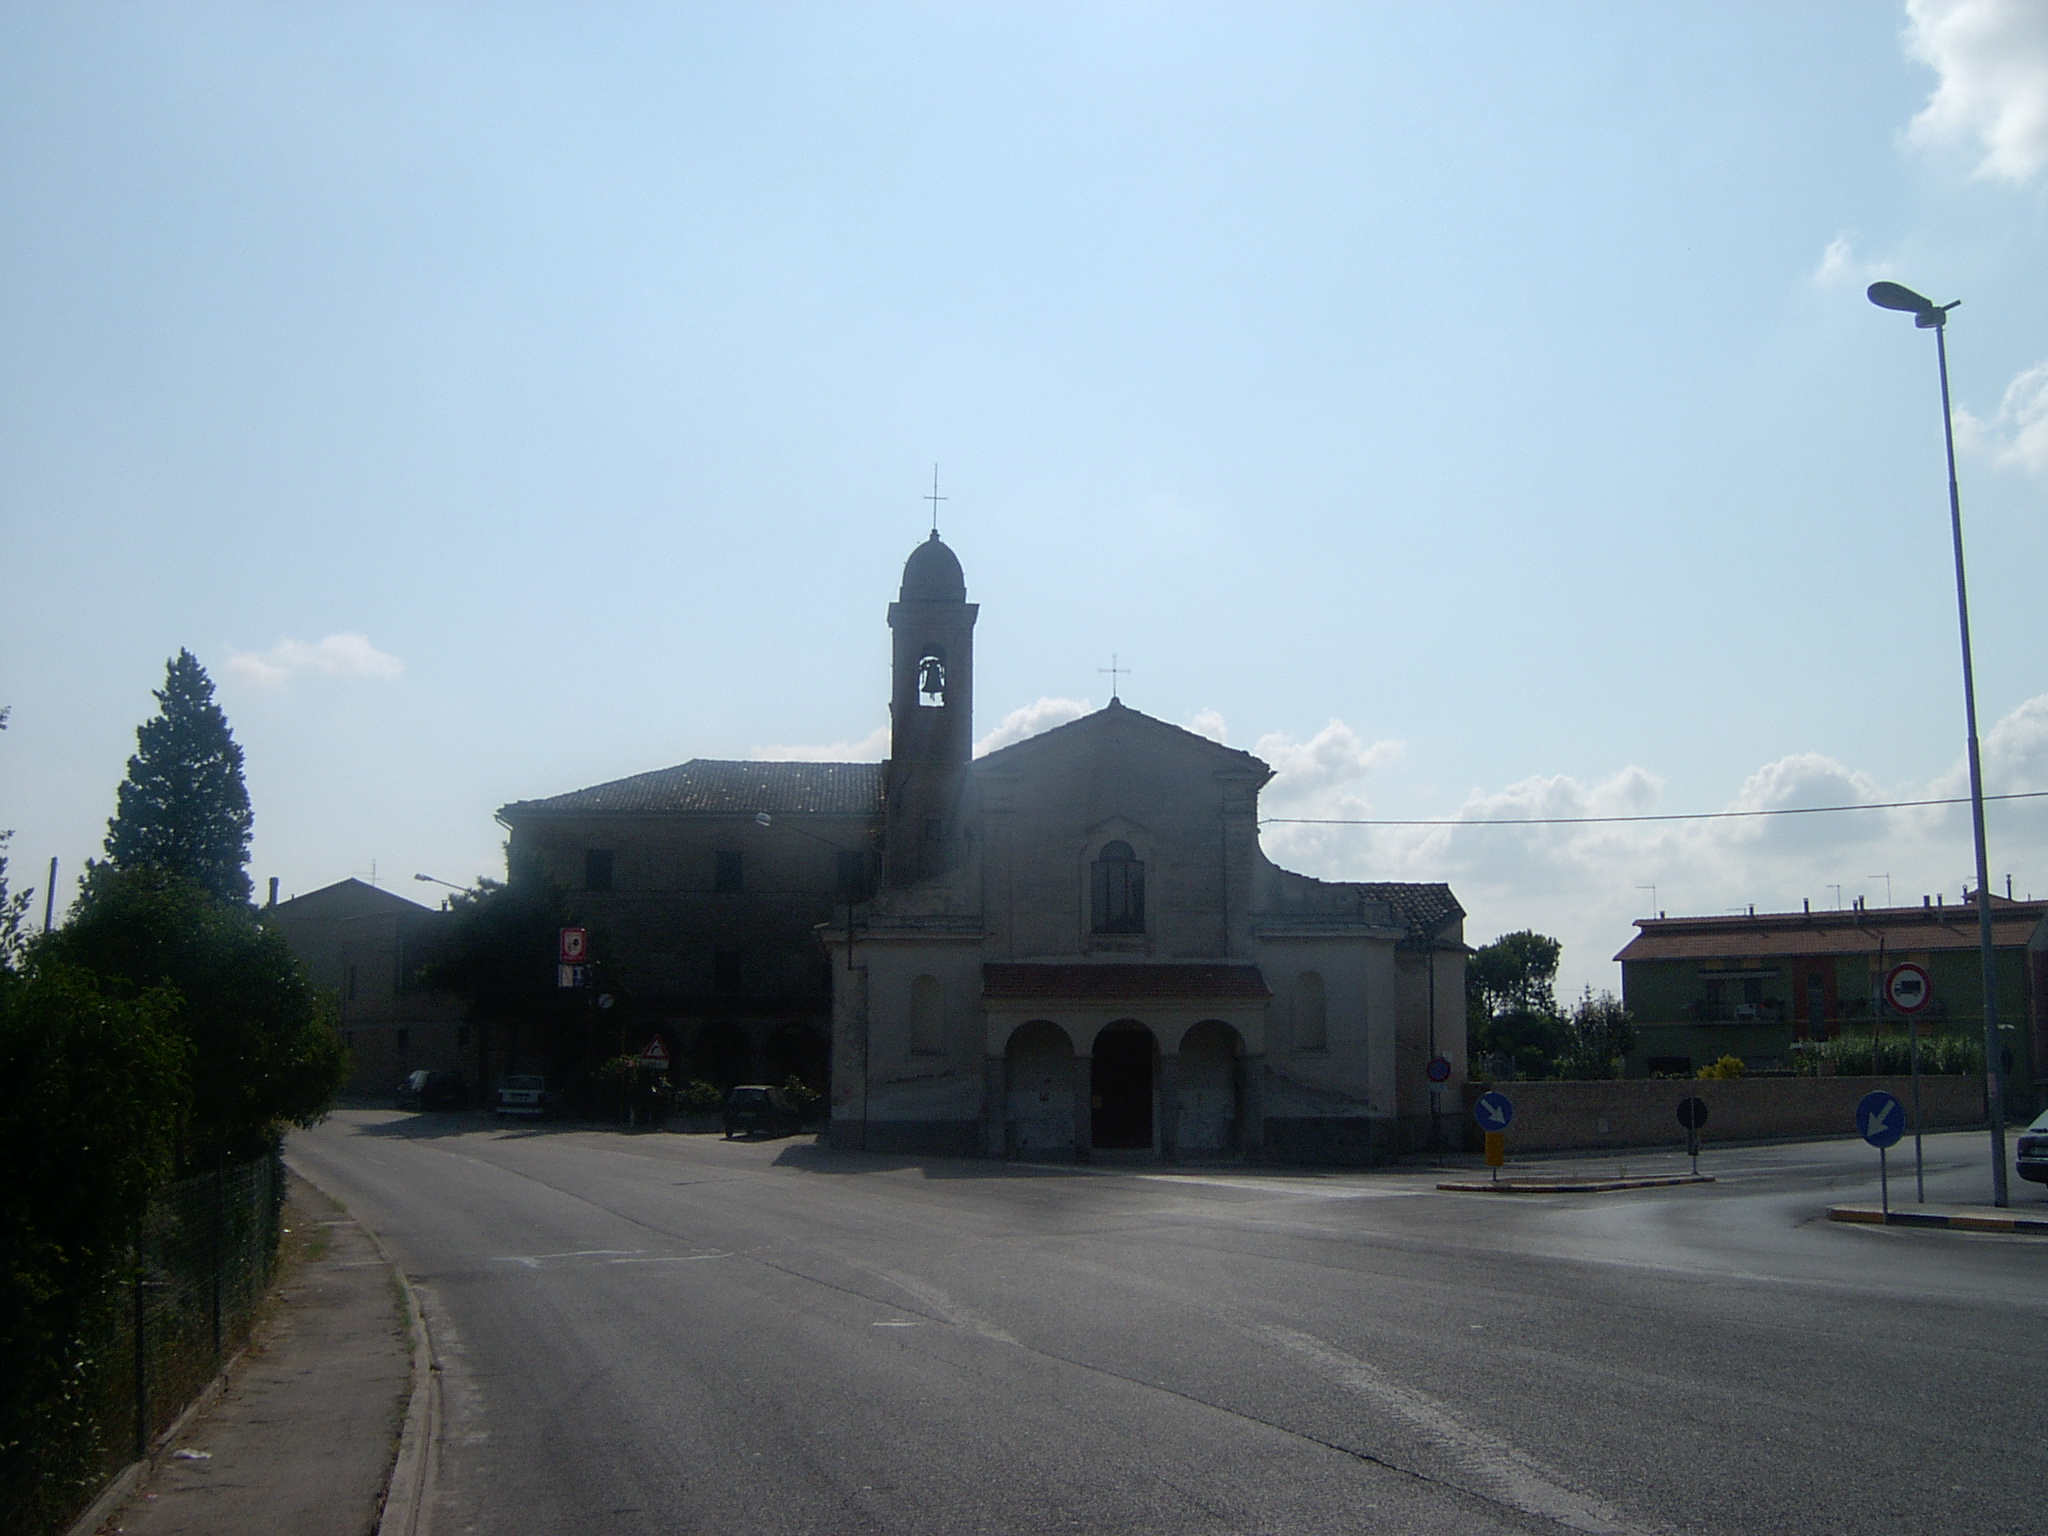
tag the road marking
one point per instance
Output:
(670, 1258)
(1280, 1187)
(535, 1260)
(1510, 1475)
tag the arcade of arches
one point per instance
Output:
(1120, 1093)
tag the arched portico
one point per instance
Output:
(1040, 1081)
(1209, 1091)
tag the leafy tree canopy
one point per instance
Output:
(1598, 1034)
(264, 1050)
(500, 950)
(1515, 974)
(183, 808)
(12, 907)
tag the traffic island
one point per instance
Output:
(1960, 1218)
(1569, 1186)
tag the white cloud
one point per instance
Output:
(1209, 723)
(1587, 882)
(871, 748)
(344, 655)
(2018, 434)
(1029, 720)
(1992, 59)
(1839, 264)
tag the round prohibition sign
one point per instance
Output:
(1908, 987)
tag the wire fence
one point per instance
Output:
(158, 1332)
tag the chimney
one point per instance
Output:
(273, 890)
(1806, 905)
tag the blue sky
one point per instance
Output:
(1473, 408)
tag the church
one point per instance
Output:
(1071, 946)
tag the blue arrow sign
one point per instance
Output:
(1880, 1119)
(1493, 1111)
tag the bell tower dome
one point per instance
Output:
(931, 714)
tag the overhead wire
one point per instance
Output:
(1586, 821)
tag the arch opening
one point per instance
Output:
(1122, 1078)
(1211, 1090)
(1038, 1076)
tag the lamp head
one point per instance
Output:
(763, 819)
(1898, 296)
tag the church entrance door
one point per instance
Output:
(1120, 1089)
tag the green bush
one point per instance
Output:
(698, 1097)
(1857, 1055)
(808, 1100)
(1728, 1067)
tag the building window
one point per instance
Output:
(853, 874)
(1311, 1013)
(1710, 1001)
(927, 1016)
(597, 869)
(1119, 896)
(403, 1037)
(729, 874)
(349, 985)
(725, 970)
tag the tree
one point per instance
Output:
(183, 808)
(13, 907)
(1598, 1034)
(265, 1053)
(1510, 1006)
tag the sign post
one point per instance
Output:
(1495, 1111)
(1910, 989)
(1881, 1122)
(1692, 1114)
(572, 958)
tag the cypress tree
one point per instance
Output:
(183, 808)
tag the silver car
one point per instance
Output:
(525, 1095)
(2032, 1159)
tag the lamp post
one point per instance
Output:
(1930, 316)
(437, 880)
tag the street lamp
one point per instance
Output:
(437, 880)
(1930, 316)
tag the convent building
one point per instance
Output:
(1072, 945)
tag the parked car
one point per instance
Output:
(527, 1094)
(433, 1090)
(2032, 1160)
(759, 1107)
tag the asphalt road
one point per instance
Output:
(665, 1333)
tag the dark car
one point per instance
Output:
(2032, 1160)
(433, 1090)
(526, 1094)
(758, 1107)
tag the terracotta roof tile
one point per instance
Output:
(1781, 934)
(715, 786)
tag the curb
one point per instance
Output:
(117, 1491)
(1568, 1186)
(402, 1511)
(1981, 1219)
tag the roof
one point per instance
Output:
(1787, 934)
(1421, 907)
(714, 786)
(933, 574)
(1118, 713)
(350, 897)
(1023, 982)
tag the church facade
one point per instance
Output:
(1069, 947)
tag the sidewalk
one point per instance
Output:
(303, 1437)
(1961, 1218)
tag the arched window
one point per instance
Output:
(931, 678)
(927, 1016)
(1311, 1013)
(1119, 895)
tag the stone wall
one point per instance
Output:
(1555, 1116)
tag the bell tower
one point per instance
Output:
(931, 714)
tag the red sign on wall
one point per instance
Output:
(575, 946)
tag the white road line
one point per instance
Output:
(1503, 1471)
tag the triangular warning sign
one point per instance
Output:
(656, 1054)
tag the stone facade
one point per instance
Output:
(1070, 947)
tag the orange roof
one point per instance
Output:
(1895, 930)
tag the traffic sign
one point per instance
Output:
(1880, 1119)
(1439, 1069)
(568, 977)
(1494, 1111)
(1692, 1113)
(575, 946)
(655, 1055)
(1908, 987)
